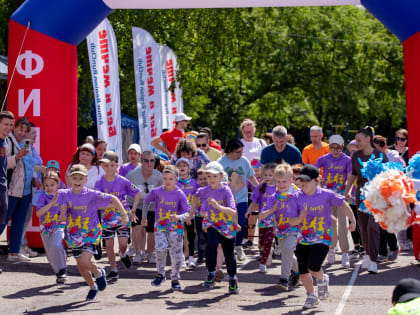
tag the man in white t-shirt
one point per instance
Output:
(252, 146)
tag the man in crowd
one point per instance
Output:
(212, 143)
(312, 152)
(202, 143)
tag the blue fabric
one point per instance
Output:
(67, 20)
(290, 154)
(35, 191)
(242, 208)
(28, 161)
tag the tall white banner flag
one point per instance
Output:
(103, 57)
(171, 93)
(148, 86)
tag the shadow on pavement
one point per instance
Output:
(267, 304)
(152, 295)
(43, 291)
(59, 308)
(201, 303)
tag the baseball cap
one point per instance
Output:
(214, 168)
(337, 139)
(308, 173)
(54, 164)
(89, 147)
(181, 117)
(163, 156)
(78, 169)
(406, 290)
(183, 160)
(109, 156)
(134, 147)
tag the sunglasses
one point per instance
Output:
(400, 139)
(381, 143)
(201, 145)
(148, 161)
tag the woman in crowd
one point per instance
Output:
(401, 144)
(252, 146)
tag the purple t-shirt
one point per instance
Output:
(49, 221)
(335, 171)
(166, 204)
(261, 199)
(316, 228)
(62, 185)
(189, 187)
(216, 219)
(126, 168)
(82, 226)
(121, 188)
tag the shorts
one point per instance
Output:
(120, 231)
(310, 257)
(150, 228)
(90, 248)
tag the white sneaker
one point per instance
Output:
(331, 257)
(373, 268)
(151, 258)
(240, 254)
(183, 262)
(323, 290)
(18, 258)
(345, 260)
(137, 259)
(263, 268)
(366, 262)
(191, 262)
(29, 252)
(131, 251)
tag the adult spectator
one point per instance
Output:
(401, 144)
(7, 120)
(311, 153)
(145, 178)
(202, 143)
(239, 170)
(280, 150)
(381, 144)
(212, 143)
(187, 149)
(252, 146)
(20, 186)
(100, 148)
(86, 155)
(171, 137)
(134, 155)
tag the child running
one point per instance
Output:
(217, 206)
(52, 230)
(259, 197)
(114, 184)
(171, 211)
(285, 221)
(79, 208)
(314, 207)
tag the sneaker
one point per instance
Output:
(209, 282)
(126, 260)
(240, 254)
(131, 251)
(183, 262)
(283, 284)
(323, 291)
(61, 277)
(137, 259)
(191, 262)
(151, 258)
(354, 254)
(381, 259)
(200, 260)
(393, 254)
(91, 294)
(175, 285)
(112, 275)
(158, 280)
(331, 257)
(219, 275)
(101, 281)
(345, 260)
(18, 258)
(248, 244)
(263, 268)
(233, 286)
(373, 268)
(294, 279)
(98, 255)
(311, 301)
(366, 262)
(29, 252)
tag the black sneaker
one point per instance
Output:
(101, 281)
(127, 262)
(354, 254)
(294, 279)
(233, 286)
(112, 275)
(209, 283)
(176, 285)
(248, 244)
(91, 295)
(200, 260)
(98, 255)
(61, 277)
(283, 284)
(158, 280)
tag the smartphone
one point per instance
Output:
(27, 144)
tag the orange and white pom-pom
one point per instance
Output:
(388, 197)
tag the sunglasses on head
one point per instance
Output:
(400, 139)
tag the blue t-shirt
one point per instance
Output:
(243, 168)
(290, 154)
(3, 165)
(28, 161)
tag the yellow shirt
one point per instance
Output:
(213, 154)
(310, 155)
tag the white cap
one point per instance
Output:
(337, 139)
(183, 160)
(214, 168)
(181, 117)
(135, 147)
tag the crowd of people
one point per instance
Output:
(201, 203)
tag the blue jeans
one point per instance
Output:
(17, 209)
(242, 208)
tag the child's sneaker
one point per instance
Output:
(323, 292)
(294, 279)
(233, 286)
(112, 275)
(209, 282)
(345, 262)
(263, 268)
(366, 262)
(183, 262)
(311, 301)
(131, 251)
(283, 284)
(137, 259)
(61, 277)
(176, 285)
(101, 281)
(91, 294)
(158, 280)
(191, 262)
(126, 260)
(331, 257)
